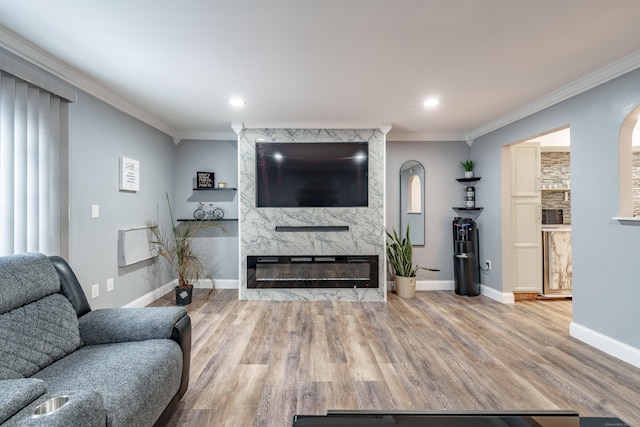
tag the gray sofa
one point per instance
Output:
(114, 367)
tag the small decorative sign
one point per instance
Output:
(204, 179)
(129, 174)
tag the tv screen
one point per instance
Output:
(310, 175)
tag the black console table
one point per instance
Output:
(453, 419)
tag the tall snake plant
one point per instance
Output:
(400, 255)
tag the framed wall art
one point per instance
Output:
(204, 179)
(129, 174)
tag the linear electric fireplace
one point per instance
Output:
(312, 271)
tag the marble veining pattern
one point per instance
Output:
(257, 225)
(561, 273)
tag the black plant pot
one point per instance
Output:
(183, 295)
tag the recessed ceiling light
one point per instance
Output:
(431, 102)
(237, 102)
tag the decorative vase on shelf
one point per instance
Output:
(468, 165)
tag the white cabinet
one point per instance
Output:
(525, 163)
(526, 245)
(526, 241)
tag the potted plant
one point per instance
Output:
(177, 247)
(468, 168)
(400, 256)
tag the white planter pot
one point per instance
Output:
(468, 174)
(405, 286)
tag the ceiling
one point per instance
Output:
(328, 63)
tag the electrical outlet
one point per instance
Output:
(488, 263)
(110, 284)
(95, 291)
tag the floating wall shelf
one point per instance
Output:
(467, 180)
(470, 181)
(467, 209)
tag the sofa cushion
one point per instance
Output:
(25, 278)
(137, 380)
(36, 335)
(111, 325)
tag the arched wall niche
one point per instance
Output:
(412, 203)
(629, 187)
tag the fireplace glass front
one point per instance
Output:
(349, 271)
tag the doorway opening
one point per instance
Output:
(536, 212)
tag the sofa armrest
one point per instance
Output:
(112, 325)
(182, 335)
(18, 394)
(83, 409)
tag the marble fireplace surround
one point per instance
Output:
(364, 233)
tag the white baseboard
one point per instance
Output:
(150, 297)
(434, 285)
(421, 286)
(449, 285)
(607, 344)
(147, 299)
(220, 284)
(427, 285)
(503, 297)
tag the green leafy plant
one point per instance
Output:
(400, 255)
(177, 247)
(467, 165)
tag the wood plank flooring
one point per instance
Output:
(257, 363)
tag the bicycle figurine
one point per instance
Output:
(208, 212)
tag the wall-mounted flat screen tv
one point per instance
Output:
(310, 175)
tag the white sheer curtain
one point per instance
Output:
(33, 169)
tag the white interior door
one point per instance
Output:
(526, 169)
(526, 217)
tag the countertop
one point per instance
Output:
(556, 227)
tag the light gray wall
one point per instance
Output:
(606, 294)
(219, 247)
(441, 161)
(98, 136)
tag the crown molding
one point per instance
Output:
(27, 51)
(316, 125)
(426, 137)
(385, 127)
(598, 77)
(237, 127)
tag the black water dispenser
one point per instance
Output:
(466, 265)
